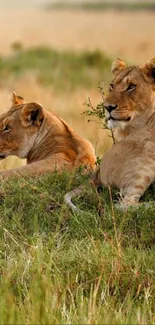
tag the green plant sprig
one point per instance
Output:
(98, 111)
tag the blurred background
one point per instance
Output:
(57, 53)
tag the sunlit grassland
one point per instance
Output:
(57, 267)
(125, 34)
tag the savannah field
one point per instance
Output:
(129, 35)
(57, 267)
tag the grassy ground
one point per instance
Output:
(56, 267)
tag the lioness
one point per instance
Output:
(130, 105)
(129, 165)
(48, 143)
(131, 93)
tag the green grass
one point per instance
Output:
(63, 70)
(59, 268)
(103, 5)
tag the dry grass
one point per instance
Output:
(129, 35)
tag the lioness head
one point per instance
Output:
(19, 127)
(131, 93)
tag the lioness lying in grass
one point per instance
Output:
(45, 140)
(129, 165)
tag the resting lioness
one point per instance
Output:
(129, 165)
(45, 140)
(130, 107)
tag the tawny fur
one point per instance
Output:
(45, 140)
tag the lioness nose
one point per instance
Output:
(109, 107)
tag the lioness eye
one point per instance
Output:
(131, 87)
(6, 128)
(111, 87)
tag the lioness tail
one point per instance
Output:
(68, 198)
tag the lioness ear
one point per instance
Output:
(117, 66)
(32, 114)
(17, 100)
(149, 69)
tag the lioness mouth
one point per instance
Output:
(120, 120)
(2, 157)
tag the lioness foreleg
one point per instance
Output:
(134, 191)
(37, 168)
